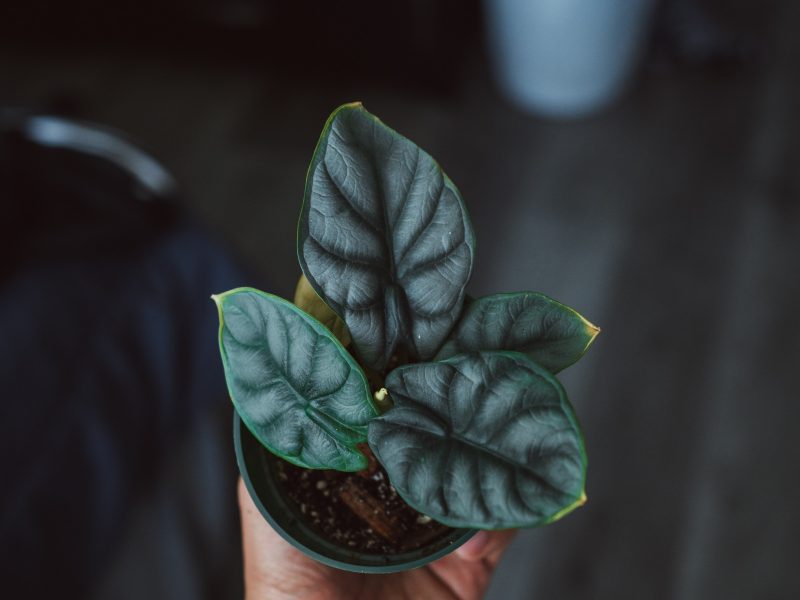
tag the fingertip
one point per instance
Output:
(475, 548)
(486, 545)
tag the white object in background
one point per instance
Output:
(566, 58)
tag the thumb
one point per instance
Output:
(272, 567)
(486, 545)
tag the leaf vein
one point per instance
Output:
(348, 202)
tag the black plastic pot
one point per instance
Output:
(255, 464)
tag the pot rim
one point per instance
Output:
(460, 536)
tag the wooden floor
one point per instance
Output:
(671, 221)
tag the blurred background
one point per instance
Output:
(635, 159)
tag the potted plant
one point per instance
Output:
(384, 415)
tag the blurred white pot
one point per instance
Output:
(566, 58)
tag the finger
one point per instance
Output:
(272, 567)
(486, 545)
(260, 542)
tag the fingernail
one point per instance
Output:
(475, 548)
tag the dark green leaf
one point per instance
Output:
(294, 385)
(384, 238)
(307, 300)
(484, 440)
(553, 335)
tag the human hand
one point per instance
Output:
(274, 570)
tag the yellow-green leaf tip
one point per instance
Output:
(218, 298)
(568, 509)
(593, 331)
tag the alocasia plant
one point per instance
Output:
(476, 430)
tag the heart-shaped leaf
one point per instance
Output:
(384, 238)
(553, 335)
(293, 384)
(307, 300)
(485, 440)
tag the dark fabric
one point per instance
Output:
(107, 355)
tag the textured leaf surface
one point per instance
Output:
(553, 335)
(307, 300)
(483, 440)
(384, 238)
(294, 385)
